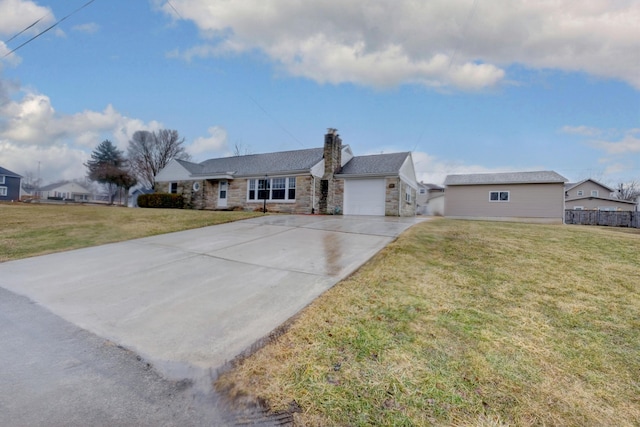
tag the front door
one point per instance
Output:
(222, 194)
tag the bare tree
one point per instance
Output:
(149, 152)
(240, 150)
(628, 191)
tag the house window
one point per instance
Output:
(407, 195)
(3, 191)
(173, 188)
(252, 189)
(292, 188)
(423, 191)
(282, 188)
(578, 208)
(278, 187)
(499, 196)
(580, 193)
(1, 179)
(594, 193)
(263, 189)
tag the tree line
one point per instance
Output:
(147, 153)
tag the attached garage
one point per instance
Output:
(364, 196)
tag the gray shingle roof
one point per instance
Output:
(258, 164)
(7, 172)
(382, 164)
(538, 177)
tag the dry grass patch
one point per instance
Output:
(37, 229)
(467, 323)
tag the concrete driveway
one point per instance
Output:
(191, 301)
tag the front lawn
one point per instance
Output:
(37, 229)
(466, 323)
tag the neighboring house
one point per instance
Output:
(10, 185)
(328, 180)
(66, 190)
(430, 199)
(517, 196)
(589, 194)
(435, 204)
(135, 192)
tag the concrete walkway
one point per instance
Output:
(190, 301)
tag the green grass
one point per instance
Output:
(467, 323)
(36, 229)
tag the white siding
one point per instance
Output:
(174, 171)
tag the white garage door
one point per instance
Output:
(364, 196)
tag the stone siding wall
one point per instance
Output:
(395, 202)
(408, 208)
(391, 196)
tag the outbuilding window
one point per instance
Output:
(173, 188)
(499, 196)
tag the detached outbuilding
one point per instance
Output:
(514, 196)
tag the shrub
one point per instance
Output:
(161, 200)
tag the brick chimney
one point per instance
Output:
(332, 153)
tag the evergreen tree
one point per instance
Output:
(108, 166)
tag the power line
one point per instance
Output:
(174, 9)
(47, 29)
(16, 35)
(275, 120)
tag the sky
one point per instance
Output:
(468, 86)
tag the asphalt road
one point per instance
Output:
(56, 374)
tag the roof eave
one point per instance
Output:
(504, 183)
(367, 175)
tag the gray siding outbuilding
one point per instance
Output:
(516, 196)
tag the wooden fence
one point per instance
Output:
(613, 219)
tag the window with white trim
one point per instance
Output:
(580, 193)
(499, 196)
(594, 193)
(1, 179)
(173, 188)
(3, 191)
(279, 188)
(578, 208)
(423, 191)
(407, 194)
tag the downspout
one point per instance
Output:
(313, 195)
(399, 198)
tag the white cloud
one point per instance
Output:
(19, 14)
(432, 170)
(581, 130)
(630, 143)
(31, 131)
(88, 28)
(438, 43)
(215, 145)
(57, 163)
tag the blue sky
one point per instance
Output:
(466, 85)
